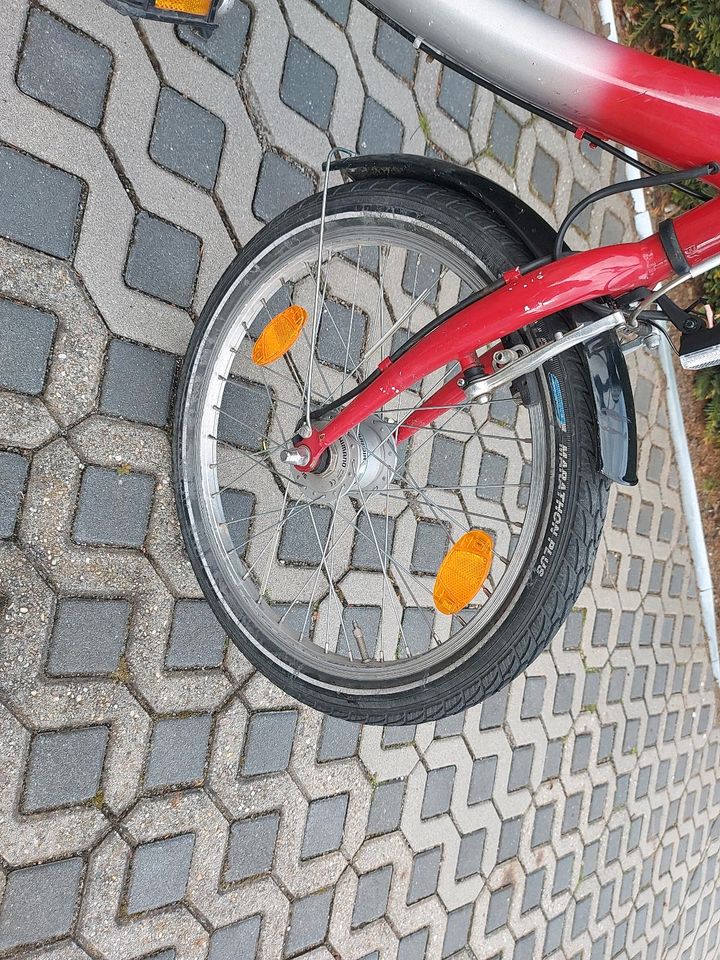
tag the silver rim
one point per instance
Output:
(341, 580)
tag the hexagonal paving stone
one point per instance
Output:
(64, 768)
(26, 338)
(236, 940)
(163, 260)
(13, 474)
(417, 629)
(178, 751)
(504, 136)
(225, 46)
(372, 894)
(196, 638)
(39, 902)
(337, 10)
(88, 637)
(456, 96)
(373, 542)
(64, 68)
(40, 206)
(324, 826)
(544, 175)
(246, 409)
(251, 847)
(113, 509)
(187, 139)
(380, 131)
(269, 742)
(339, 326)
(308, 84)
(491, 478)
(238, 507)
(445, 462)
(138, 383)
(431, 543)
(280, 184)
(338, 739)
(309, 919)
(395, 51)
(159, 873)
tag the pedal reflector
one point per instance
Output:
(700, 349)
(464, 570)
(279, 335)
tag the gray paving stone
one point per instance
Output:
(544, 174)
(247, 409)
(304, 534)
(371, 899)
(64, 68)
(456, 96)
(597, 802)
(236, 940)
(613, 230)
(622, 790)
(532, 894)
(626, 886)
(644, 520)
(445, 462)
(337, 10)
(498, 908)
(533, 698)
(251, 847)
(630, 739)
(493, 710)
(564, 691)
(601, 628)
(583, 221)
(591, 691)
(417, 628)
(397, 53)
(13, 474)
(524, 947)
(308, 84)
(159, 873)
(372, 542)
(438, 792)
(482, 779)
(324, 826)
(88, 637)
(430, 546)
(643, 782)
(340, 324)
(26, 339)
(113, 509)
(562, 880)
(581, 917)
(616, 685)
(470, 854)
(581, 753)
(424, 876)
(553, 935)
(412, 947)
(457, 931)
(639, 681)
(572, 814)
(380, 131)
(614, 845)
(64, 768)
(279, 186)
(238, 507)
(553, 760)
(504, 136)
(187, 139)
(40, 206)
(619, 937)
(225, 47)
(269, 742)
(178, 751)
(138, 383)
(309, 919)
(196, 638)
(163, 260)
(491, 478)
(591, 855)
(360, 625)
(450, 726)
(510, 831)
(520, 767)
(386, 807)
(542, 825)
(40, 902)
(338, 739)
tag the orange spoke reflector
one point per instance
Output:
(200, 8)
(463, 571)
(279, 335)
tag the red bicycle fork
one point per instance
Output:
(522, 300)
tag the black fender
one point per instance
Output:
(612, 390)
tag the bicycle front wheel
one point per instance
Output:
(326, 583)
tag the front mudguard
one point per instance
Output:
(614, 403)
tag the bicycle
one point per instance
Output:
(410, 381)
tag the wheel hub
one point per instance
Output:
(364, 459)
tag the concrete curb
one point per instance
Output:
(688, 489)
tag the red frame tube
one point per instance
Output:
(609, 271)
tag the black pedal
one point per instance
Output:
(700, 349)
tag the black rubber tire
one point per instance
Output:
(567, 542)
